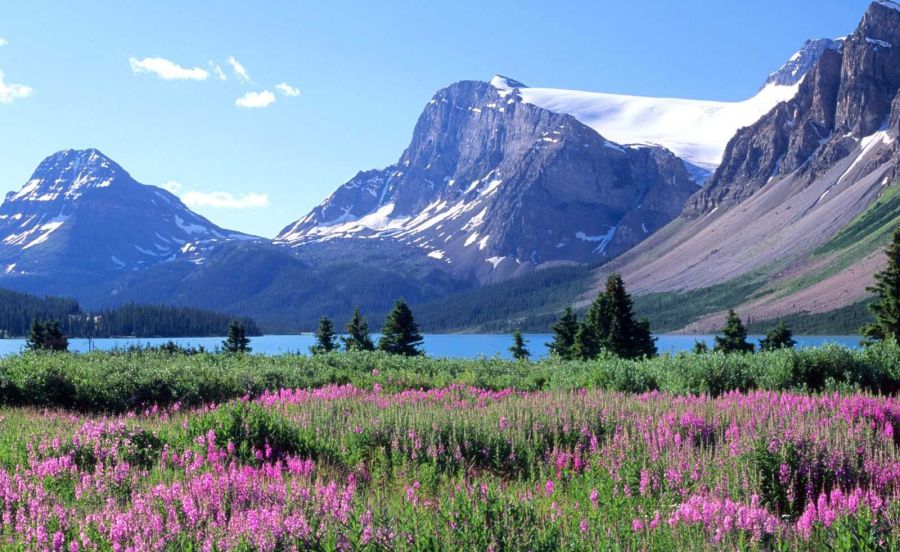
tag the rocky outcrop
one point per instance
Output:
(846, 97)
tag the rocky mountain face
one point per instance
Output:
(802, 62)
(491, 186)
(804, 199)
(846, 97)
(82, 212)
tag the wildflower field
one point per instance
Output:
(388, 462)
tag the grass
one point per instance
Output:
(345, 468)
(103, 382)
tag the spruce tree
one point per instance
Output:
(610, 326)
(46, 336)
(35, 340)
(700, 347)
(325, 339)
(565, 331)
(400, 333)
(237, 341)
(779, 337)
(358, 338)
(887, 290)
(518, 349)
(592, 329)
(734, 338)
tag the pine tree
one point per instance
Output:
(565, 332)
(779, 337)
(734, 338)
(518, 349)
(237, 341)
(400, 333)
(610, 326)
(358, 338)
(325, 339)
(700, 347)
(887, 290)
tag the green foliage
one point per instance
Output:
(116, 382)
(255, 432)
(400, 333)
(237, 340)
(530, 302)
(734, 336)
(325, 338)
(46, 336)
(841, 321)
(518, 349)
(18, 310)
(565, 332)
(358, 338)
(674, 310)
(700, 347)
(887, 289)
(610, 326)
(779, 337)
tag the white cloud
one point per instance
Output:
(239, 70)
(287, 90)
(171, 186)
(217, 69)
(256, 99)
(225, 200)
(12, 92)
(3, 41)
(167, 70)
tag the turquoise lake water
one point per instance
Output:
(440, 345)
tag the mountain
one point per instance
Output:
(81, 215)
(492, 186)
(794, 218)
(695, 130)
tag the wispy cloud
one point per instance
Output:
(167, 70)
(225, 200)
(217, 70)
(239, 70)
(256, 99)
(287, 90)
(3, 41)
(12, 92)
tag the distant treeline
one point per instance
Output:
(18, 310)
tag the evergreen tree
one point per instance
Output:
(35, 340)
(565, 332)
(358, 338)
(734, 338)
(887, 290)
(779, 337)
(46, 336)
(518, 349)
(592, 329)
(700, 347)
(325, 339)
(610, 325)
(237, 341)
(400, 333)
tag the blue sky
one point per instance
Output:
(77, 75)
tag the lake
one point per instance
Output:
(439, 345)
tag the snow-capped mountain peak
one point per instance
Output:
(67, 174)
(695, 130)
(84, 207)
